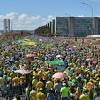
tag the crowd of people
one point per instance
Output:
(80, 70)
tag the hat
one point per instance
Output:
(51, 89)
(40, 89)
(63, 84)
(33, 77)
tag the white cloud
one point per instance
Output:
(94, 0)
(11, 15)
(24, 21)
(81, 16)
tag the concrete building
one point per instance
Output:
(61, 24)
(7, 25)
(76, 26)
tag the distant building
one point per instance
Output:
(7, 25)
(94, 36)
(53, 26)
(76, 26)
(62, 26)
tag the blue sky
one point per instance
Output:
(46, 9)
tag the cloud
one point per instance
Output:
(81, 16)
(24, 21)
(94, 0)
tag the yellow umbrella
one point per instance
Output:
(29, 43)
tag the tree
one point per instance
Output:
(43, 30)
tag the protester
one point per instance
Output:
(32, 76)
(64, 91)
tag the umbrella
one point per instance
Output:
(58, 56)
(94, 62)
(27, 42)
(56, 62)
(59, 75)
(22, 71)
(29, 55)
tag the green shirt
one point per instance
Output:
(5, 77)
(64, 91)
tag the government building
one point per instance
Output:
(75, 26)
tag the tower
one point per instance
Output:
(7, 25)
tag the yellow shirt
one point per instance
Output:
(34, 82)
(49, 85)
(84, 97)
(40, 96)
(45, 76)
(22, 80)
(12, 75)
(39, 85)
(16, 80)
(40, 75)
(33, 95)
(1, 82)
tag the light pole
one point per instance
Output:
(11, 26)
(92, 14)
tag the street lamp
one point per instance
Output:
(92, 14)
(90, 6)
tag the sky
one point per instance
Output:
(30, 14)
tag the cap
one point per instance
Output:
(63, 84)
(40, 89)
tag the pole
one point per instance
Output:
(92, 15)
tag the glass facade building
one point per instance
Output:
(77, 26)
(62, 26)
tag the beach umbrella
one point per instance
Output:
(27, 42)
(59, 75)
(94, 62)
(22, 71)
(56, 62)
(58, 56)
(30, 43)
(30, 55)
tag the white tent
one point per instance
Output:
(95, 36)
